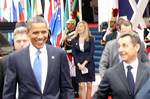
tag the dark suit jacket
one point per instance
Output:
(111, 36)
(110, 56)
(3, 65)
(144, 92)
(58, 82)
(114, 82)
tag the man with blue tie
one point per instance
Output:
(41, 71)
(124, 80)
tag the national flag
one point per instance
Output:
(56, 25)
(21, 14)
(27, 9)
(48, 10)
(66, 12)
(36, 7)
(75, 10)
(125, 9)
(14, 12)
(6, 12)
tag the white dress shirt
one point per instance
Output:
(134, 68)
(44, 59)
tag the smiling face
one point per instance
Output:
(127, 50)
(38, 34)
(80, 28)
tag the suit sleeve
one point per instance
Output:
(103, 90)
(104, 61)
(10, 82)
(65, 79)
(143, 55)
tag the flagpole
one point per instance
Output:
(62, 17)
(69, 7)
(80, 9)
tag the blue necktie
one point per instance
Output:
(37, 68)
(130, 79)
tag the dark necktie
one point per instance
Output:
(37, 68)
(130, 79)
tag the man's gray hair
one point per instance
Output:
(35, 19)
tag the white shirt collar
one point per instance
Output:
(134, 64)
(34, 50)
(134, 69)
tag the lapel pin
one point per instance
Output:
(53, 57)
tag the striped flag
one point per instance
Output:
(56, 24)
(36, 7)
(21, 14)
(14, 12)
(27, 9)
(66, 12)
(6, 11)
(75, 10)
(48, 10)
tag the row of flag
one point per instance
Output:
(54, 11)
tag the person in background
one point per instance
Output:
(124, 80)
(67, 46)
(111, 28)
(40, 70)
(5, 49)
(103, 29)
(21, 40)
(83, 50)
(110, 55)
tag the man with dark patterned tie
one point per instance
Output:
(124, 80)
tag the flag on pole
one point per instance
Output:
(56, 25)
(27, 9)
(75, 10)
(36, 7)
(66, 12)
(14, 12)
(21, 14)
(6, 12)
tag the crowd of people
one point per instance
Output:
(38, 70)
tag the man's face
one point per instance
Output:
(128, 52)
(70, 26)
(21, 40)
(38, 34)
(125, 29)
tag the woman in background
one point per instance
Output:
(83, 49)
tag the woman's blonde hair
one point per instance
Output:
(87, 32)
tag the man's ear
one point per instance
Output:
(138, 47)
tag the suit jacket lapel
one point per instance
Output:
(29, 68)
(50, 63)
(122, 75)
(141, 75)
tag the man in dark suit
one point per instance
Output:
(144, 92)
(110, 55)
(40, 70)
(124, 80)
(21, 40)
